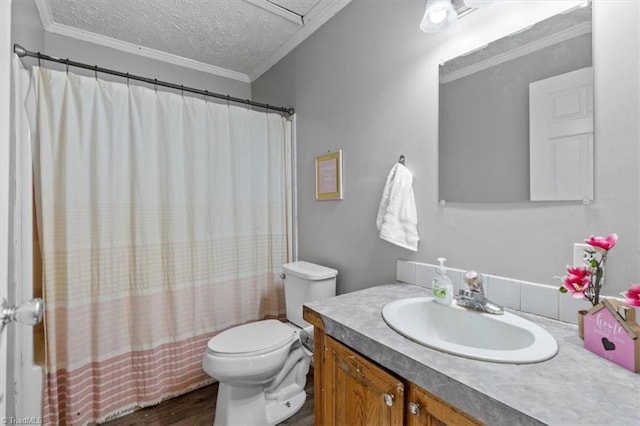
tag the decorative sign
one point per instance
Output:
(610, 330)
(329, 176)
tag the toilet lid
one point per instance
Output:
(260, 336)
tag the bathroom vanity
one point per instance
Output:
(356, 390)
(366, 373)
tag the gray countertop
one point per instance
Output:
(576, 387)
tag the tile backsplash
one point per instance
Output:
(538, 299)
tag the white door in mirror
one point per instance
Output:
(561, 137)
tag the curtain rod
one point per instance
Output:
(22, 52)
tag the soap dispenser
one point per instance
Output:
(442, 286)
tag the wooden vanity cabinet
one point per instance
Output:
(350, 389)
(425, 409)
(358, 392)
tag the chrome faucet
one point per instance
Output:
(473, 296)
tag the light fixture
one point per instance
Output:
(438, 14)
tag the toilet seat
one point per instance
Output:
(251, 339)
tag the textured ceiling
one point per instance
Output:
(236, 35)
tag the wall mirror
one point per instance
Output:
(513, 102)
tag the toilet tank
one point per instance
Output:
(305, 282)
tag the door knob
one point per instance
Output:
(388, 399)
(414, 408)
(27, 313)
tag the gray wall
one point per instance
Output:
(90, 53)
(26, 27)
(367, 83)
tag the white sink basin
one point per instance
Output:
(497, 338)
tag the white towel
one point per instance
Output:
(397, 216)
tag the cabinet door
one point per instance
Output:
(425, 409)
(357, 391)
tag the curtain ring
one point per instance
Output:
(127, 79)
(67, 63)
(182, 90)
(95, 71)
(228, 101)
(206, 93)
(155, 84)
(39, 63)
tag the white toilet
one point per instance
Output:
(262, 366)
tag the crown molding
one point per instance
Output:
(321, 13)
(567, 34)
(44, 10)
(50, 26)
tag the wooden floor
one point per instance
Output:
(198, 408)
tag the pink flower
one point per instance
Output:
(578, 270)
(632, 295)
(586, 282)
(577, 281)
(603, 243)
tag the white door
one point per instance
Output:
(5, 138)
(561, 137)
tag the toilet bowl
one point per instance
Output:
(262, 366)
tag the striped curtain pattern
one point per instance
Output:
(163, 221)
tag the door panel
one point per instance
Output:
(428, 410)
(5, 140)
(561, 137)
(357, 391)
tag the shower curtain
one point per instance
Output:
(163, 220)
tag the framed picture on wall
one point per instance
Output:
(329, 176)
